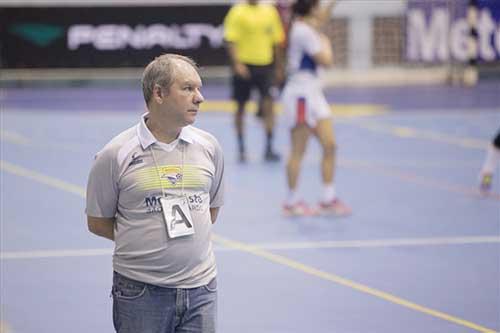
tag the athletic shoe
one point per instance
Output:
(299, 209)
(486, 182)
(271, 156)
(335, 208)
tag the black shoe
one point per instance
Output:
(271, 156)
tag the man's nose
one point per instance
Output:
(198, 98)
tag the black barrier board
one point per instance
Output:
(83, 37)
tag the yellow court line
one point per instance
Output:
(14, 137)
(41, 178)
(346, 282)
(4, 327)
(410, 132)
(75, 189)
(20, 140)
(416, 179)
(340, 110)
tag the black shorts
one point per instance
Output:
(261, 77)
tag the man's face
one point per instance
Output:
(182, 101)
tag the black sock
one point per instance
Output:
(269, 137)
(241, 143)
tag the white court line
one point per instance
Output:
(380, 243)
(377, 243)
(55, 253)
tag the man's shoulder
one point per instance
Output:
(246, 9)
(269, 9)
(236, 9)
(203, 137)
(115, 145)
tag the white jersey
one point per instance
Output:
(302, 98)
(303, 43)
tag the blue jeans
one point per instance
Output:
(139, 307)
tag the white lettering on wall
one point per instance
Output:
(428, 42)
(440, 39)
(119, 36)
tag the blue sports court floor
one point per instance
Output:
(421, 253)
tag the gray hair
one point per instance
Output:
(160, 72)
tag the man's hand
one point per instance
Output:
(279, 76)
(241, 70)
(101, 226)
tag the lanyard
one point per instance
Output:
(158, 169)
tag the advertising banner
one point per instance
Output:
(53, 37)
(437, 30)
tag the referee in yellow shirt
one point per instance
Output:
(254, 36)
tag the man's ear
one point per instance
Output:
(158, 94)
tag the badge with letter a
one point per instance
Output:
(177, 216)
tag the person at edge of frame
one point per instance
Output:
(490, 165)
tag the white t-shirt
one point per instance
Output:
(126, 183)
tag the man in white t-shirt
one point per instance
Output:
(155, 190)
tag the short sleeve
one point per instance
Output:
(102, 188)
(217, 189)
(231, 28)
(278, 32)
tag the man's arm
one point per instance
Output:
(102, 226)
(214, 212)
(239, 68)
(279, 64)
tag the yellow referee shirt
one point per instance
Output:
(254, 30)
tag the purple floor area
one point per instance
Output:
(486, 95)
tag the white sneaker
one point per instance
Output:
(335, 208)
(299, 209)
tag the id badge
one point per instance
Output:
(177, 216)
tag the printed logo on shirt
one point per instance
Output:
(172, 177)
(135, 159)
(153, 205)
(195, 202)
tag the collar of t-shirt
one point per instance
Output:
(146, 138)
(168, 147)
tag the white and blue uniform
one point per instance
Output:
(303, 99)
